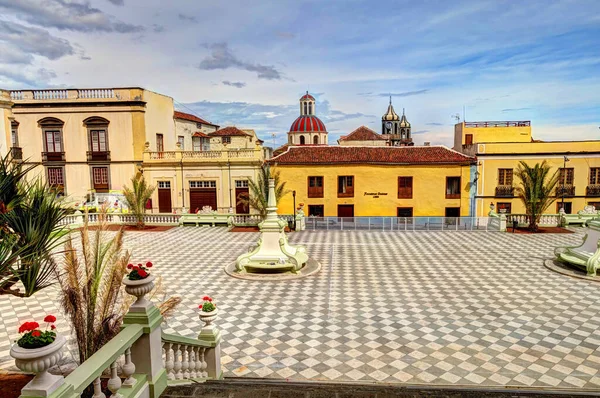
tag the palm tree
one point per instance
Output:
(30, 218)
(259, 191)
(137, 197)
(535, 190)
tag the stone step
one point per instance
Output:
(270, 388)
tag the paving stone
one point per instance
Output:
(464, 308)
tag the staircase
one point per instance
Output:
(269, 388)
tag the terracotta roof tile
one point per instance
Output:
(373, 155)
(199, 134)
(228, 132)
(362, 133)
(190, 117)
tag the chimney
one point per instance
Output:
(427, 143)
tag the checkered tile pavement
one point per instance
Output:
(470, 308)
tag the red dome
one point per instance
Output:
(308, 123)
(307, 96)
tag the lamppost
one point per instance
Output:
(564, 181)
(294, 212)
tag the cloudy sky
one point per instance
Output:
(246, 63)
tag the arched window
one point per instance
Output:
(316, 139)
(302, 140)
(305, 108)
(97, 132)
(310, 108)
(291, 140)
(14, 131)
(53, 139)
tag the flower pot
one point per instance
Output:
(39, 360)
(208, 318)
(139, 289)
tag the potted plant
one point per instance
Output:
(36, 351)
(139, 282)
(208, 311)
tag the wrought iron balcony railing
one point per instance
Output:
(565, 190)
(53, 156)
(505, 191)
(16, 153)
(94, 156)
(592, 190)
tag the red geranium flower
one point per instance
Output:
(149, 264)
(28, 327)
(209, 299)
(129, 266)
(200, 306)
(50, 319)
(52, 327)
(142, 273)
(206, 298)
(140, 264)
(36, 333)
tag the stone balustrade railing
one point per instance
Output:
(546, 220)
(113, 94)
(229, 155)
(148, 360)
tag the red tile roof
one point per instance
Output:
(373, 155)
(228, 132)
(200, 134)
(362, 133)
(190, 117)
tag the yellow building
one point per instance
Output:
(92, 141)
(500, 146)
(349, 181)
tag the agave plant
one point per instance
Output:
(30, 218)
(258, 198)
(536, 189)
(137, 196)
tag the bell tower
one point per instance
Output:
(307, 105)
(396, 129)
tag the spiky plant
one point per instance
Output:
(535, 190)
(35, 221)
(258, 196)
(92, 286)
(137, 196)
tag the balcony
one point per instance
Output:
(232, 156)
(565, 190)
(53, 156)
(593, 190)
(98, 156)
(16, 153)
(505, 191)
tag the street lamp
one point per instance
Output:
(294, 212)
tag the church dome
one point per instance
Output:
(307, 123)
(307, 96)
(390, 115)
(404, 122)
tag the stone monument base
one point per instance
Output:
(310, 268)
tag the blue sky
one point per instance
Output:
(247, 63)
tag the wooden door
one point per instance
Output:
(200, 197)
(468, 139)
(100, 177)
(164, 200)
(239, 207)
(345, 210)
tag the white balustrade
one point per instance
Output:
(96, 93)
(98, 389)
(114, 383)
(128, 369)
(50, 94)
(16, 95)
(184, 361)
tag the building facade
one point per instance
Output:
(499, 147)
(350, 181)
(91, 142)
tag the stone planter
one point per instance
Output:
(208, 318)
(39, 360)
(139, 289)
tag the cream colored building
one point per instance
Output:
(92, 141)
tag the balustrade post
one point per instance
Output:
(114, 383)
(146, 352)
(212, 356)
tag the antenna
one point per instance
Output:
(456, 116)
(464, 117)
(273, 135)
